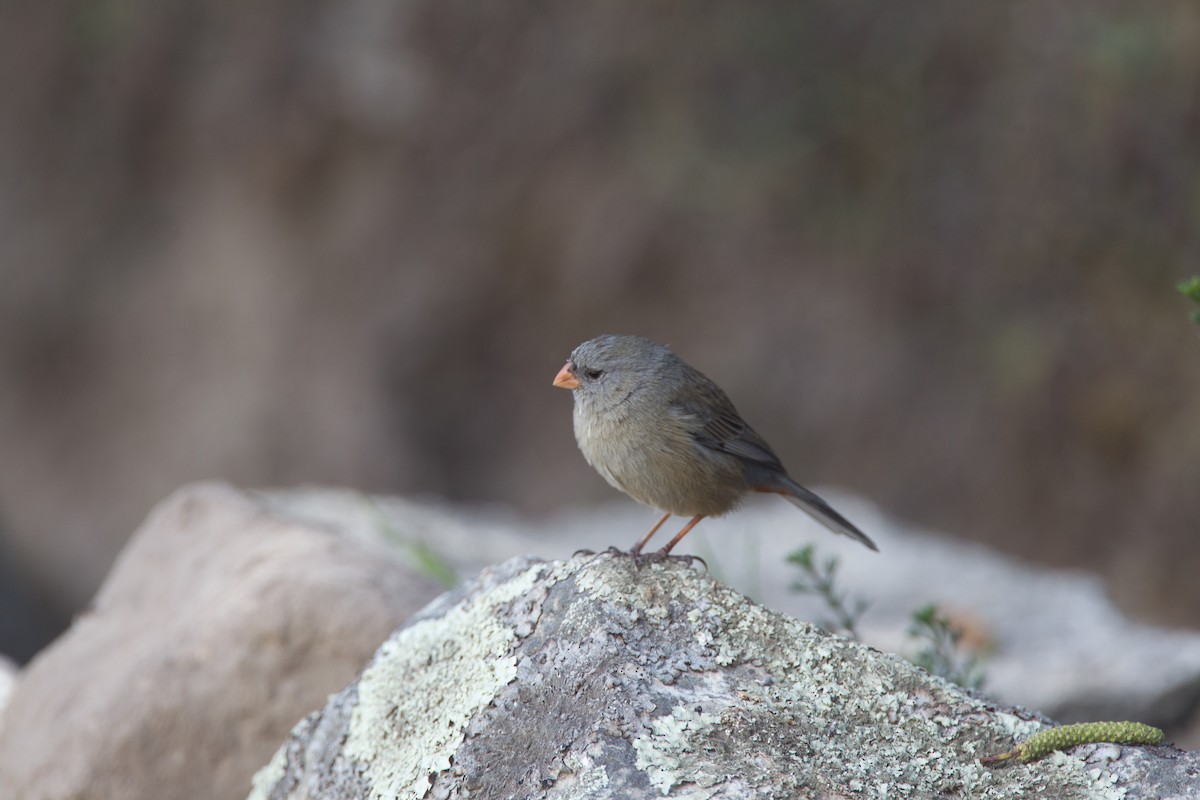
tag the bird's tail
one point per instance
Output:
(812, 504)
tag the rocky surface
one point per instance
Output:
(220, 625)
(1052, 639)
(599, 677)
(231, 616)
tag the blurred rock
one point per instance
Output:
(599, 677)
(8, 676)
(220, 625)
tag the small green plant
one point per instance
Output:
(820, 578)
(420, 555)
(940, 652)
(1191, 290)
(940, 640)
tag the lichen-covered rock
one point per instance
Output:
(600, 677)
(1052, 639)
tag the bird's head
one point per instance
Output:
(609, 369)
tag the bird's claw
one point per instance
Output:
(612, 551)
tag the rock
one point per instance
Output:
(8, 676)
(597, 678)
(1052, 639)
(219, 626)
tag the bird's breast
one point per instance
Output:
(656, 461)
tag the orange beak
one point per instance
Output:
(565, 379)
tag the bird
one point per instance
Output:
(663, 433)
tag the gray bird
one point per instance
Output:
(663, 433)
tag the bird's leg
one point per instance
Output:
(695, 520)
(637, 548)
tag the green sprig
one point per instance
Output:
(821, 579)
(1045, 742)
(941, 653)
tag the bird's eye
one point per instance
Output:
(593, 374)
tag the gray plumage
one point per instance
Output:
(663, 433)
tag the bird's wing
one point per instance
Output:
(723, 430)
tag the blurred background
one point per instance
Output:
(930, 251)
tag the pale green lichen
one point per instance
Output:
(1015, 727)
(425, 684)
(591, 777)
(662, 761)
